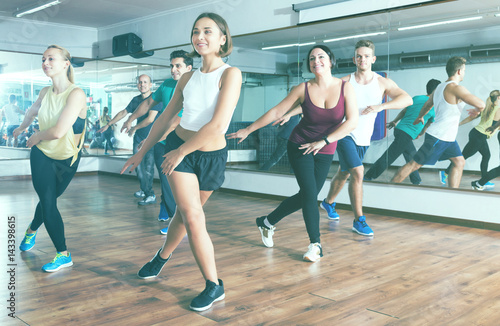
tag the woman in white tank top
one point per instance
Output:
(209, 97)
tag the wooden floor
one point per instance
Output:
(410, 273)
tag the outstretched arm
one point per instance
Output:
(292, 100)
(349, 124)
(399, 98)
(394, 122)
(141, 110)
(284, 119)
(425, 109)
(120, 115)
(75, 103)
(463, 94)
(469, 119)
(226, 103)
(164, 122)
(31, 113)
(144, 123)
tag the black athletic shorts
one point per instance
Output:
(209, 167)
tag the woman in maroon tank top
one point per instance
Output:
(325, 101)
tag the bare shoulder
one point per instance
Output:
(348, 87)
(346, 78)
(184, 79)
(386, 82)
(455, 88)
(231, 72)
(43, 92)
(300, 87)
(77, 92)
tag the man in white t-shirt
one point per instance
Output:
(370, 90)
(440, 143)
(12, 114)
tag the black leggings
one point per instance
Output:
(50, 178)
(311, 172)
(477, 143)
(492, 174)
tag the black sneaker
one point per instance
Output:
(154, 267)
(211, 294)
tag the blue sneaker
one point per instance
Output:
(330, 210)
(164, 230)
(28, 241)
(359, 226)
(489, 185)
(163, 216)
(443, 176)
(59, 261)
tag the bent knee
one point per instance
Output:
(459, 161)
(357, 172)
(193, 220)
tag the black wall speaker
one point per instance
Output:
(126, 44)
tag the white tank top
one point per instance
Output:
(11, 116)
(445, 125)
(369, 94)
(200, 98)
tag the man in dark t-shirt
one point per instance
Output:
(145, 170)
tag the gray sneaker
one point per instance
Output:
(139, 194)
(148, 200)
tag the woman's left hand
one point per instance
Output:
(34, 139)
(313, 147)
(172, 159)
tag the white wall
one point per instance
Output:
(34, 34)
(173, 28)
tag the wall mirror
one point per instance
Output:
(408, 56)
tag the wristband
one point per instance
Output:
(326, 140)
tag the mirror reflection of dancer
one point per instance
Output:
(478, 136)
(440, 139)
(145, 171)
(492, 174)
(55, 149)
(104, 121)
(324, 102)
(196, 150)
(12, 114)
(370, 89)
(404, 134)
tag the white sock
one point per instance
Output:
(267, 224)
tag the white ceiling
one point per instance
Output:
(389, 22)
(99, 13)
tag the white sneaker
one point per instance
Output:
(267, 234)
(148, 200)
(139, 194)
(314, 252)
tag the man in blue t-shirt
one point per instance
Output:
(145, 170)
(180, 63)
(404, 134)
